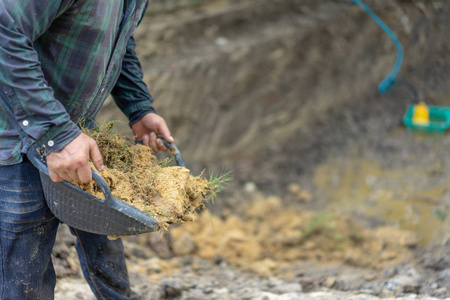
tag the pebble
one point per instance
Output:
(184, 245)
(330, 282)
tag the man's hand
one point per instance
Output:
(72, 162)
(148, 128)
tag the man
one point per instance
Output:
(59, 60)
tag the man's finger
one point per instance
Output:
(84, 174)
(54, 177)
(161, 145)
(165, 132)
(71, 176)
(145, 140)
(152, 142)
(96, 158)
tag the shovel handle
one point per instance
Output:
(173, 150)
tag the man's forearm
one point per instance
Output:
(130, 92)
(24, 93)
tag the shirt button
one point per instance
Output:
(25, 123)
(51, 143)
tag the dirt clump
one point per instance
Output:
(171, 194)
(270, 237)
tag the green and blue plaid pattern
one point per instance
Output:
(59, 60)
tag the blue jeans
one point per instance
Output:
(27, 235)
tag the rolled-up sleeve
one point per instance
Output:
(25, 96)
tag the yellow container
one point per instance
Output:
(421, 114)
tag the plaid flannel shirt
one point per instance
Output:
(59, 61)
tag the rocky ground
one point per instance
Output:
(332, 198)
(190, 277)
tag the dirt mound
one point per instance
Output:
(169, 193)
(271, 236)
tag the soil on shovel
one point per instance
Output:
(171, 194)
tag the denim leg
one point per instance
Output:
(103, 264)
(27, 235)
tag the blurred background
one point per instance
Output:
(283, 94)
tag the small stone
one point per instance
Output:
(288, 288)
(299, 193)
(139, 253)
(250, 187)
(172, 288)
(160, 244)
(221, 41)
(411, 289)
(330, 281)
(153, 265)
(389, 255)
(194, 294)
(265, 296)
(409, 240)
(222, 292)
(248, 293)
(438, 263)
(218, 259)
(440, 291)
(61, 250)
(369, 277)
(200, 264)
(402, 280)
(408, 277)
(184, 245)
(274, 282)
(307, 284)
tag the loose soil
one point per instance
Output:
(171, 194)
(269, 237)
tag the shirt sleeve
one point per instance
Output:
(24, 93)
(130, 92)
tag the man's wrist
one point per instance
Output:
(58, 137)
(138, 115)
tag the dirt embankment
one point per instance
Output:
(273, 87)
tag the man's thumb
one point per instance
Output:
(165, 132)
